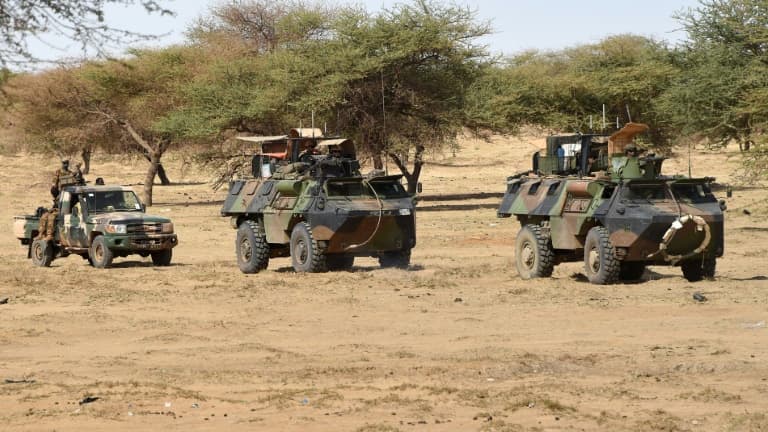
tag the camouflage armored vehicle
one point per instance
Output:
(596, 198)
(98, 223)
(307, 200)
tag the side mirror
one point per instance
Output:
(723, 205)
(143, 208)
(418, 187)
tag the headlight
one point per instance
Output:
(405, 212)
(116, 229)
(168, 228)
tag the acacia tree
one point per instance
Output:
(721, 93)
(79, 20)
(560, 90)
(396, 82)
(41, 109)
(400, 78)
(114, 105)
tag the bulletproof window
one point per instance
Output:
(534, 188)
(346, 189)
(266, 188)
(645, 192)
(513, 188)
(553, 188)
(693, 193)
(234, 189)
(390, 189)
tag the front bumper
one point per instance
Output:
(141, 243)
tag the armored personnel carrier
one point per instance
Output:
(599, 199)
(307, 199)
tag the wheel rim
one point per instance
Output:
(38, 252)
(301, 251)
(245, 249)
(527, 255)
(98, 253)
(594, 260)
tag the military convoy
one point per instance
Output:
(307, 199)
(595, 198)
(98, 223)
(587, 197)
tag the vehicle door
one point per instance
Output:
(73, 232)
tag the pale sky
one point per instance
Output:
(518, 25)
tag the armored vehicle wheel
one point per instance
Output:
(533, 255)
(631, 270)
(251, 247)
(42, 253)
(306, 254)
(398, 259)
(100, 253)
(162, 258)
(339, 261)
(600, 263)
(698, 269)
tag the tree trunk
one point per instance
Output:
(160, 170)
(377, 162)
(163, 177)
(412, 178)
(149, 179)
(86, 155)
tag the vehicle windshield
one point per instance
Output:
(693, 193)
(389, 189)
(644, 192)
(110, 201)
(348, 189)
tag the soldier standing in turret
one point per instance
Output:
(62, 175)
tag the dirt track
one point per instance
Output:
(456, 343)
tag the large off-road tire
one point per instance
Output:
(251, 247)
(397, 259)
(162, 258)
(600, 263)
(101, 256)
(42, 253)
(698, 269)
(533, 255)
(631, 270)
(339, 262)
(307, 256)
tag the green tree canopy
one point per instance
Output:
(561, 90)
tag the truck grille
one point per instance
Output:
(148, 228)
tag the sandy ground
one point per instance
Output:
(456, 343)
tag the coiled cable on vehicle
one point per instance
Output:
(673, 229)
(378, 221)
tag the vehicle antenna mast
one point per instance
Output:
(384, 125)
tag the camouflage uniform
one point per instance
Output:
(47, 225)
(61, 177)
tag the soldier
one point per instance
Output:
(58, 176)
(631, 150)
(47, 225)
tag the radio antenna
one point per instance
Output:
(384, 124)
(689, 159)
(629, 116)
(603, 117)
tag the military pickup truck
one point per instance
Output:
(98, 223)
